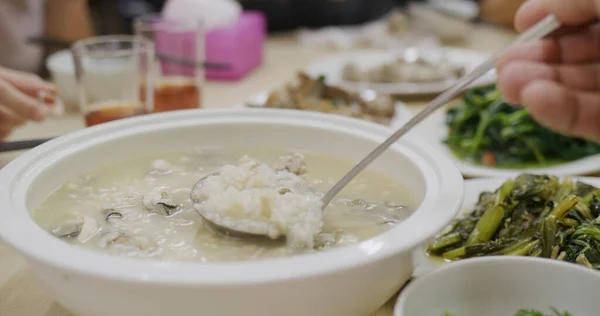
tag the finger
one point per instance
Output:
(5, 132)
(511, 80)
(27, 83)
(570, 12)
(10, 118)
(541, 51)
(20, 103)
(559, 50)
(517, 75)
(562, 109)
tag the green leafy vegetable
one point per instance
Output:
(485, 129)
(531, 312)
(532, 215)
(322, 79)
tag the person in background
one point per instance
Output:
(558, 78)
(65, 20)
(500, 12)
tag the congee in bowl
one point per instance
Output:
(104, 215)
(142, 207)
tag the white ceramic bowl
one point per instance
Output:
(353, 280)
(500, 286)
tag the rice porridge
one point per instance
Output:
(142, 207)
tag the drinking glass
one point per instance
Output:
(179, 52)
(114, 77)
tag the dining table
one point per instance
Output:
(20, 292)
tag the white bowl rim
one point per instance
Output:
(19, 231)
(464, 265)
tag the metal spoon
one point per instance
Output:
(230, 228)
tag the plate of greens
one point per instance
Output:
(487, 137)
(530, 215)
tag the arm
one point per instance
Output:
(68, 20)
(500, 11)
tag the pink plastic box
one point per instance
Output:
(240, 45)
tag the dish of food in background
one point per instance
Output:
(530, 215)
(142, 208)
(314, 94)
(404, 70)
(334, 69)
(487, 137)
(391, 31)
(501, 286)
(415, 25)
(484, 129)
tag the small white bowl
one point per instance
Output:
(62, 70)
(348, 281)
(500, 286)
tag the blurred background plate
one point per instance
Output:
(403, 113)
(331, 68)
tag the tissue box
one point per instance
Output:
(240, 45)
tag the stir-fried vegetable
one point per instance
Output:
(537, 313)
(532, 215)
(485, 129)
(531, 312)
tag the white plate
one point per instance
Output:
(332, 67)
(433, 130)
(473, 187)
(403, 113)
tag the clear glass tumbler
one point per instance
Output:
(114, 77)
(180, 52)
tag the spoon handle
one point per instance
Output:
(538, 31)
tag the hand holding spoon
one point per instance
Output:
(229, 227)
